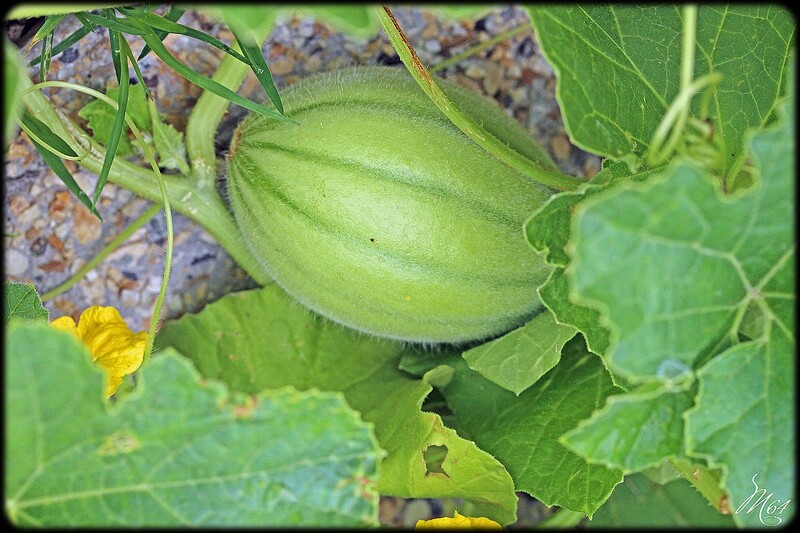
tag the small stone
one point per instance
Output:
(55, 242)
(281, 66)
(86, 226)
(475, 72)
(32, 216)
(313, 63)
(491, 82)
(388, 509)
(17, 263)
(60, 206)
(415, 510)
(430, 31)
(527, 76)
(560, 147)
(591, 167)
(69, 55)
(433, 46)
(53, 266)
(94, 293)
(38, 246)
(62, 231)
(129, 298)
(17, 204)
(306, 28)
(65, 307)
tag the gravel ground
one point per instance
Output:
(49, 234)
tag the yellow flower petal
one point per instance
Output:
(458, 521)
(65, 323)
(114, 347)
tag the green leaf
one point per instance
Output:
(618, 69)
(262, 339)
(53, 161)
(548, 231)
(638, 502)
(178, 451)
(518, 359)
(674, 267)
(22, 301)
(522, 431)
(555, 295)
(548, 228)
(672, 263)
(168, 143)
(101, 116)
(633, 431)
(744, 421)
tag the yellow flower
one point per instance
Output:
(115, 348)
(458, 521)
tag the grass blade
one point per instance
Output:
(139, 76)
(203, 82)
(120, 61)
(54, 162)
(113, 24)
(113, 43)
(173, 15)
(43, 131)
(74, 37)
(49, 25)
(257, 62)
(160, 23)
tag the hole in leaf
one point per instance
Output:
(434, 456)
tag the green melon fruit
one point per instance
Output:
(379, 214)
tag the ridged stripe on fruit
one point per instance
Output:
(380, 214)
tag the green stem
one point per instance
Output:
(204, 120)
(472, 128)
(676, 117)
(481, 46)
(203, 206)
(706, 483)
(143, 219)
(207, 113)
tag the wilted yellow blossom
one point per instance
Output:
(458, 521)
(115, 348)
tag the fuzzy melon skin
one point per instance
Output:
(378, 213)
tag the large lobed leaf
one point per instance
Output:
(633, 431)
(673, 265)
(638, 502)
(618, 69)
(180, 451)
(523, 431)
(261, 339)
(519, 358)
